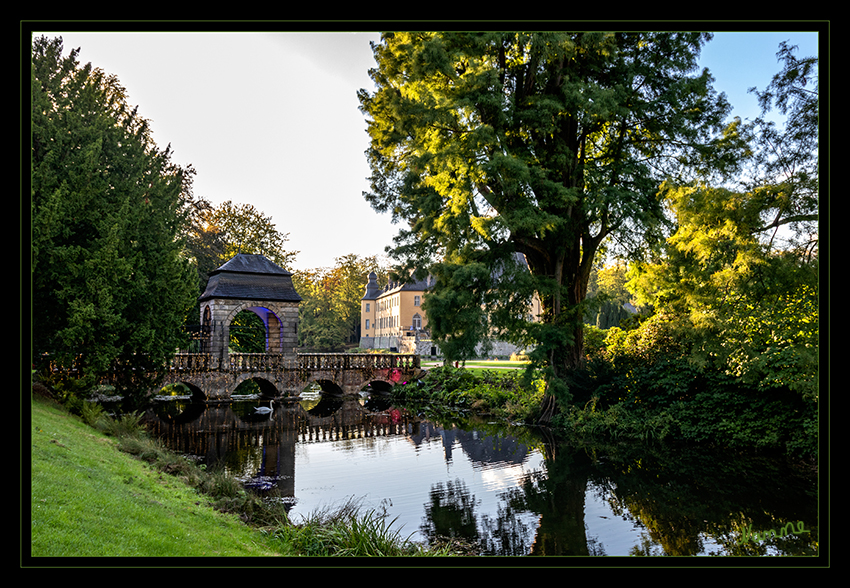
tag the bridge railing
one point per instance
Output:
(261, 362)
(194, 362)
(258, 362)
(319, 361)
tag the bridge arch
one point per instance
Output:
(181, 387)
(267, 388)
(329, 387)
(381, 386)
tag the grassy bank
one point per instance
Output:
(110, 491)
(89, 499)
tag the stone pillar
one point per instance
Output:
(273, 333)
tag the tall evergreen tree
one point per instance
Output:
(546, 144)
(109, 278)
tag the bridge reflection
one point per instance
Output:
(260, 449)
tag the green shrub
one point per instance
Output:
(122, 425)
(504, 393)
(92, 413)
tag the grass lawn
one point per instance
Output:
(483, 363)
(90, 500)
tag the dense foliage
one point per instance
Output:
(645, 384)
(110, 281)
(730, 354)
(725, 350)
(546, 144)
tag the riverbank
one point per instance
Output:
(96, 495)
(89, 499)
(723, 416)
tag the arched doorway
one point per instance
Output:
(255, 330)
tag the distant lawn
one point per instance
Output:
(479, 366)
(496, 363)
(483, 363)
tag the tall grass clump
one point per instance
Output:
(351, 531)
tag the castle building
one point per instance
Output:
(393, 312)
(392, 318)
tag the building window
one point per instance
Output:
(417, 322)
(367, 310)
(416, 301)
(367, 323)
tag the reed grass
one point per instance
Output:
(349, 530)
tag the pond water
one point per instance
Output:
(509, 490)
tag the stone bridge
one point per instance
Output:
(281, 376)
(252, 283)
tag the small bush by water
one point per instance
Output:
(503, 393)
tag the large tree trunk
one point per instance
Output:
(572, 272)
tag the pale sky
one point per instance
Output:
(272, 119)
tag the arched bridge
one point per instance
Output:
(281, 376)
(250, 282)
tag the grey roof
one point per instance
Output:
(251, 277)
(373, 291)
(372, 288)
(420, 285)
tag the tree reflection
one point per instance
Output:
(506, 534)
(450, 513)
(683, 498)
(557, 496)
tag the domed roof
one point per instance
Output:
(251, 277)
(372, 288)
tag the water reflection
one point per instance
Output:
(510, 492)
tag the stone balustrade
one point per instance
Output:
(324, 361)
(259, 362)
(267, 362)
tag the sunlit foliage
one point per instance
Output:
(546, 144)
(329, 313)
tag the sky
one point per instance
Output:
(272, 119)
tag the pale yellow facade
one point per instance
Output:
(393, 313)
